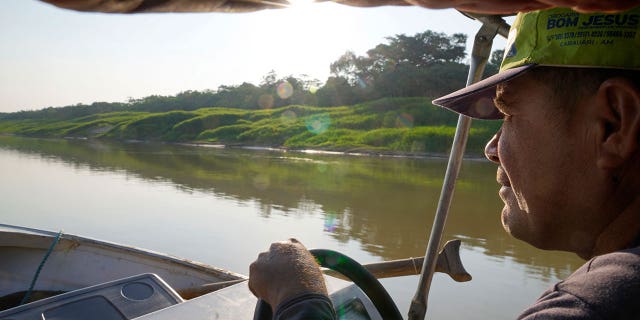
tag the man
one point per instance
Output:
(568, 156)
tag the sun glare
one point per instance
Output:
(304, 38)
(297, 4)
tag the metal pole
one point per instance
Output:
(481, 51)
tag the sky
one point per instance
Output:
(51, 57)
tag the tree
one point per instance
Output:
(270, 80)
(493, 65)
(421, 50)
(277, 92)
(349, 67)
(245, 96)
(426, 64)
(336, 91)
(402, 67)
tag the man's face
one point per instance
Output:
(542, 159)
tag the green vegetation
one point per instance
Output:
(390, 125)
(428, 64)
(370, 103)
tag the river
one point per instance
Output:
(223, 206)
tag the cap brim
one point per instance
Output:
(476, 100)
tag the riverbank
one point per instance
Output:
(356, 153)
(399, 126)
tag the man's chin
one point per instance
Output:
(514, 223)
(505, 218)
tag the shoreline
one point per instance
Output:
(328, 151)
(355, 153)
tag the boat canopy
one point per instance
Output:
(477, 6)
(136, 6)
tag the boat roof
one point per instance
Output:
(136, 6)
(139, 6)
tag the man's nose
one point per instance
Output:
(491, 149)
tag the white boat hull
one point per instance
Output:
(87, 268)
(77, 262)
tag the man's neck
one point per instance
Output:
(621, 233)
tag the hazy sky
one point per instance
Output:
(56, 57)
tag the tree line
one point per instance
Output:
(428, 64)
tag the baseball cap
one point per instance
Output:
(556, 37)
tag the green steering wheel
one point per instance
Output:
(356, 273)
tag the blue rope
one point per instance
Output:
(35, 276)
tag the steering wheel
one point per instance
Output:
(355, 272)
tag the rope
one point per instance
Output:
(35, 276)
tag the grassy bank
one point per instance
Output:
(401, 125)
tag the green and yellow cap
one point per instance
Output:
(556, 37)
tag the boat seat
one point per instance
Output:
(122, 299)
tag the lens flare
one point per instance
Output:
(285, 90)
(404, 120)
(318, 123)
(288, 116)
(330, 223)
(361, 83)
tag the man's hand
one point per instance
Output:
(286, 270)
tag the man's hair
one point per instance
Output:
(568, 85)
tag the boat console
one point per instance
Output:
(122, 299)
(148, 297)
(238, 303)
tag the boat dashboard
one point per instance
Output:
(148, 297)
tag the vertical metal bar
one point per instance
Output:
(481, 51)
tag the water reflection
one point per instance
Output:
(384, 204)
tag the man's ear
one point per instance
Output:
(618, 111)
